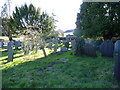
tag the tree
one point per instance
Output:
(99, 20)
(5, 15)
(28, 16)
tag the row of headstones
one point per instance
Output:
(62, 49)
(89, 47)
(107, 49)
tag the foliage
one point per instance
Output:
(28, 16)
(99, 19)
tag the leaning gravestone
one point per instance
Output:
(117, 60)
(107, 48)
(89, 50)
(10, 51)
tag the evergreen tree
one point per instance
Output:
(99, 20)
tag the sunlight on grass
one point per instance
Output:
(34, 71)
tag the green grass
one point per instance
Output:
(34, 71)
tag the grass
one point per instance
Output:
(35, 71)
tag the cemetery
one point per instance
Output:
(35, 55)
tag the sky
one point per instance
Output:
(65, 10)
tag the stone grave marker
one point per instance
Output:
(64, 49)
(89, 50)
(50, 45)
(117, 60)
(107, 48)
(55, 48)
(1, 43)
(10, 51)
(17, 44)
(117, 46)
(73, 43)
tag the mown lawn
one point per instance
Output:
(35, 71)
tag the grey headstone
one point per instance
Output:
(17, 44)
(89, 50)
(73, 43)
(10, 51)
(64, 49)
(50, 45)
(117, 46)
(117, 67)
(107, 48)
(1, 43)
(55, 48)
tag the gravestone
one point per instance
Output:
(50, 45)
(73, 43)
(117, 60)
(80, 42)
(89, 50)
(55, 48)
(10, 51)
(107, 48)
(31, 44)
(17, 44)
(117, 46)
(22, 45)
(26, 49)
(1, 43)
(97, 44)
(64, 49)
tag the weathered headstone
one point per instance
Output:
(17, 44)
(1, 43)
(89, 50)
(117, 60)
(80, 42)
(64, 49)
(97, 44)
(26, 49)
(55, 48)
(117, 46)
(22, 45)
(107, 48)
(50, 45)
(10, 51)
(73, 43)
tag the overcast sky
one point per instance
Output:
(65, 10)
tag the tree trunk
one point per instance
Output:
(44, 52)
(108, 36)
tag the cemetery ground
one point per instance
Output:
(56, 71)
